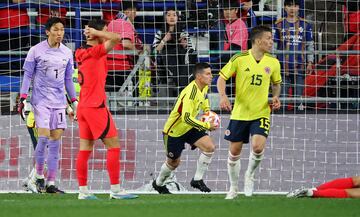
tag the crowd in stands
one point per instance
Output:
(173, 51)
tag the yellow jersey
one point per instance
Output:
(183, 116)
(252, 84)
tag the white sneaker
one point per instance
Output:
(232, 194)
(25, 184)
(122, 195)
(86, 196)
(300, 192)
(248, 184)
(31, 186)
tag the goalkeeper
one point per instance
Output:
(49, 66)
(183, 127)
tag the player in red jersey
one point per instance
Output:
(95, 120)
(337, 188)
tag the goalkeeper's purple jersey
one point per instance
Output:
(50, 69)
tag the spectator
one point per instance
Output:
(236, 31)
(121, 63)
(230, 26)
(108, 14)
(13, 18)
(50, 11)
(174, 53)
(292, 33)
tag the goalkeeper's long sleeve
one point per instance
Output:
(29, 71)
(69, 84)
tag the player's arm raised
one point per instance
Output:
(111, 38)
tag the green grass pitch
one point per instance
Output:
(174, 205)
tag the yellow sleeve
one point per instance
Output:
(276, 75)
(206, 104)
(229, 69)
(186, 115)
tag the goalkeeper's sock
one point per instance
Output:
(165, 172)
(233, 167)
(113, 165)
(52, 159)
(330, 193)
(203, 164)
(254, 161)
(40, 154)
(342, 183)
(82, 166)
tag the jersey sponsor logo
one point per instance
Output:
(267, 70)
(227, 132)
(171, 154)
(247, 70)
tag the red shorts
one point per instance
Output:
(95, 123)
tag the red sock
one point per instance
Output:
(82, 166)
(331, 193)
(342, 183)
(113, 165)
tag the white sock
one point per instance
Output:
(50, 183)
(254, 161)
(165, 172)
(310, 192)
(203, 164)
(233, 166)
(115, 188)
(32, 173)
(84, 189)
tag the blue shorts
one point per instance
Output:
(175, 145)
(240, 131)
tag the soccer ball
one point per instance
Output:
(210, 116)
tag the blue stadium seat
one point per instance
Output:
(9, 83)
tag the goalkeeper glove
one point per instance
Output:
(21, 107)
(74, 106)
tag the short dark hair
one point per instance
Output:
(257, 32)
(52, 21)
(291, 2)
(97, 24)
(226, 4)
(199, 67)
(124, 5)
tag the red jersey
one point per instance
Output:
(92, 74)
(13, 18)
